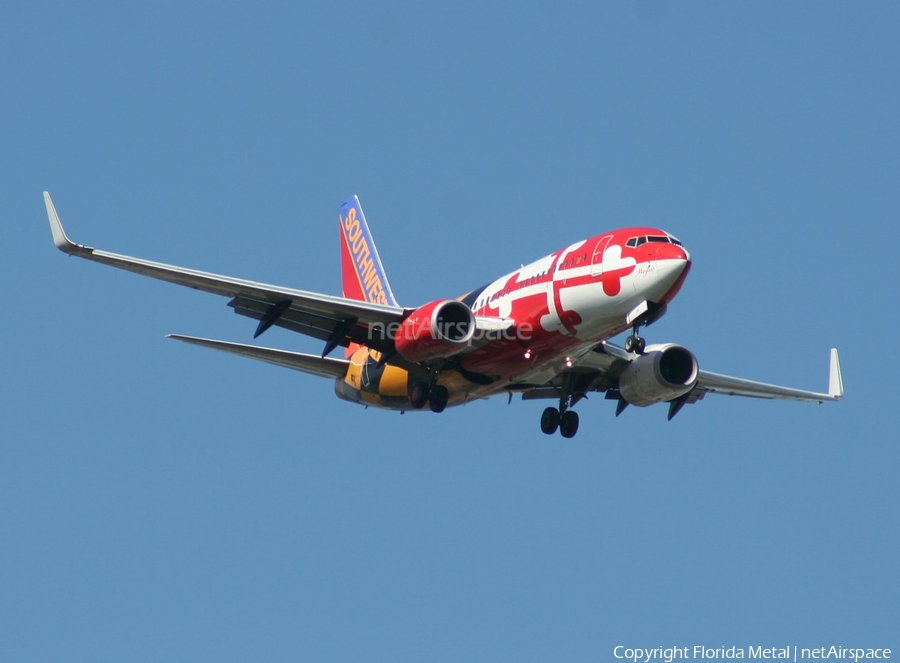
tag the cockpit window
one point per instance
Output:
(634, 242)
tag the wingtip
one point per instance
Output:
(835, 380)
(63, 243)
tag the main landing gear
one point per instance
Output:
(563, 419)
(435, 395)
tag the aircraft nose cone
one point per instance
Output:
(673, 252)
(673, 264)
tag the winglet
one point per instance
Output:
(63, 243)
(835, 382)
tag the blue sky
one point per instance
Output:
(163, 502)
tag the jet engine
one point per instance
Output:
(662, 373)
(436, 330)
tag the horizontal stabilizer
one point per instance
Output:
(326, 367)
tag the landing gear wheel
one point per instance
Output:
(418, 395)
(550, 421)
(568, 424)
(635, 344)
(439, 398)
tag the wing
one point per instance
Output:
(715, 383)
(335, 320)
(327, 367)
(601, 367)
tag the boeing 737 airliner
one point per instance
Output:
(540, 331)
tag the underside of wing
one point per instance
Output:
(596, 370)
(716, 383)
(335, 320)
(665, 373)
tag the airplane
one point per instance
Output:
(541, 331)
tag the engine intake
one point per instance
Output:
(436, 330)
(662, 373)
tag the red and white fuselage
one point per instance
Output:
(576, 296)
(527, 326)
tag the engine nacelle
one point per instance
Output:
(662, 373)
(436, 330)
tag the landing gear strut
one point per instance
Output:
(563, 419)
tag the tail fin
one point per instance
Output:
(362, 274)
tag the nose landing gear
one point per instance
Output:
(643, 314)
(635, 343)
